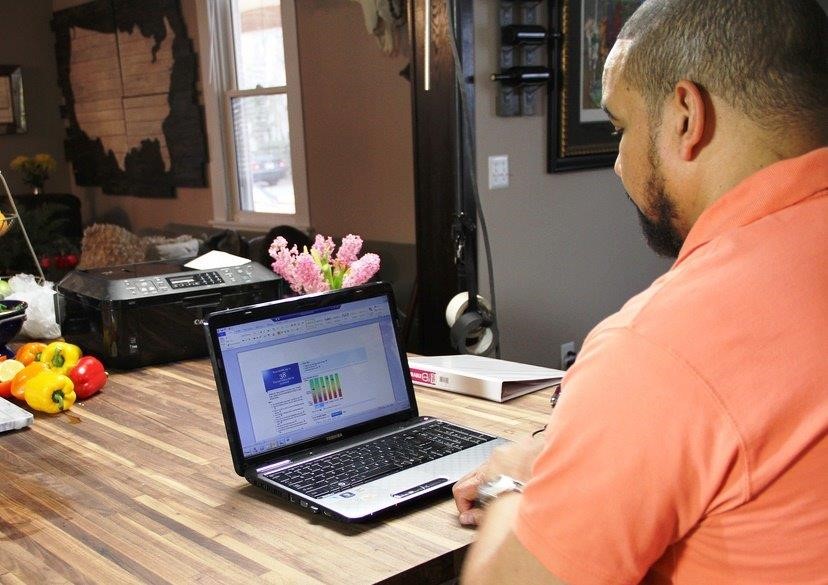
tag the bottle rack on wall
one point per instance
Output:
(522, 54)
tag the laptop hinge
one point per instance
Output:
(274, 466)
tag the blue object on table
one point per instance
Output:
(11, 321)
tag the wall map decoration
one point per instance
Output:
(127, 71)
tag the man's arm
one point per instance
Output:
(497, 557)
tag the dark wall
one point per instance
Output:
(26, 39)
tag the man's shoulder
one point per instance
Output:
(749, 271)
(729, 319)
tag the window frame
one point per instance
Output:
(218, 77)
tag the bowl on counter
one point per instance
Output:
(12, 315)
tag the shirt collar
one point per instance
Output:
(773, 188)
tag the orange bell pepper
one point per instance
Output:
(18, 384)
(29, 352)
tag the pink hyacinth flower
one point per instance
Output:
(325, 246)
(309, 275)
(284, 263)
(349, 249)
(362, 270)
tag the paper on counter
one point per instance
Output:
(215, 259)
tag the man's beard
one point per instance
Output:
(661, 235)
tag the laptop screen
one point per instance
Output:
(293, 377)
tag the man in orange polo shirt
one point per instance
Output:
(690, 443)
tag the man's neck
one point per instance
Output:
(739, 151)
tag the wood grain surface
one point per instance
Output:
(136, 485)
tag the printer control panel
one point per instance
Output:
(156, 285)
(195, 279)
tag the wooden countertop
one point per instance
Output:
(136, 485)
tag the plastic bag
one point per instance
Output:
(40, 320)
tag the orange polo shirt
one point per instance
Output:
(689, 444)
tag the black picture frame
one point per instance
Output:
(579, 134)
(12, 107)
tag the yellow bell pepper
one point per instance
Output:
(49, 392)
(61, 356)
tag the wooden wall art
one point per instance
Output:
(127, 71)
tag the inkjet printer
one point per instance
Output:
(149, 313)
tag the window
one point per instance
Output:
(253, 109)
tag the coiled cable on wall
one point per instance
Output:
(475, 331)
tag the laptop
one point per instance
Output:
(319, 406)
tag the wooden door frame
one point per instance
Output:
(442, 183)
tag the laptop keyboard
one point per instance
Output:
(369, 461)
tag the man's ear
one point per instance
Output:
(691, 110)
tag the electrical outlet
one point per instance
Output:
(568, 354)
(498, 171)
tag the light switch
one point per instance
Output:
(498, 171)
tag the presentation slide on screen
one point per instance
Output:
(297, 385)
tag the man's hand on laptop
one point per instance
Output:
(512, 459)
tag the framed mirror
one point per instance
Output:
(12, 110)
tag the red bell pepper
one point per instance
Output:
(89, 376)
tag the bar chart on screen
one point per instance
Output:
(325, 388)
